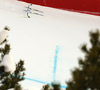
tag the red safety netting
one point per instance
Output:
(82, 6)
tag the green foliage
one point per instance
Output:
(87, 76)
(17, 87)
(5, 50)
(7, 79)
(55, 86)
(46, 87)
(6, 28)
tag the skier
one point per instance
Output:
(29, 10)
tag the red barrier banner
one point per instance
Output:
(82, 6)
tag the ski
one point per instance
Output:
(37, 14)
(37, 10)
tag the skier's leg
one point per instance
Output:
(28, 15)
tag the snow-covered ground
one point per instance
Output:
(35, 39)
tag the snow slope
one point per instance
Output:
(35, 39)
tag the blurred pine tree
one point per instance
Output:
(7, 79)
(87, 75)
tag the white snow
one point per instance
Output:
(34, 39)
(3, 35)
(8, 63)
